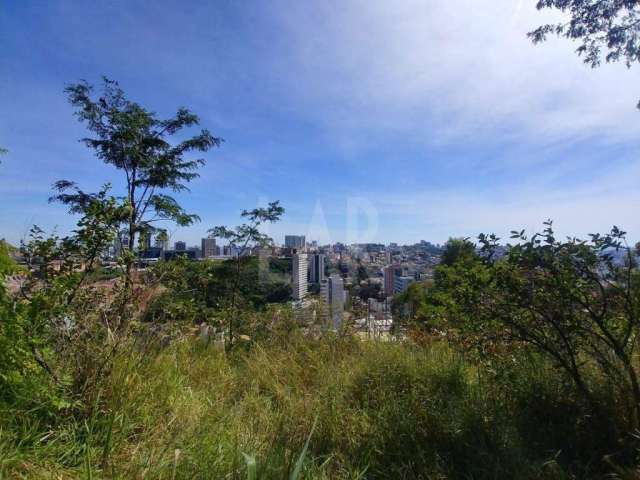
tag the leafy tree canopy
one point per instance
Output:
(458, 249)
(575, 301)
(606, 29)
(248, 234)
(137, 142)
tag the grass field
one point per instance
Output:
(381, 410)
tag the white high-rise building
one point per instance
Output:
(299, 274)
(332, 291)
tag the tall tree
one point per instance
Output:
(137, 142)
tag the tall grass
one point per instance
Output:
(313, 408)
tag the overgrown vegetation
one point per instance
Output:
(383, 410)
(472, 393)
(516, 361)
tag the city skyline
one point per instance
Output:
(428, 140)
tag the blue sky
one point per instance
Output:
(369, 120)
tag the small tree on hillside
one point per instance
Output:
(241, 239)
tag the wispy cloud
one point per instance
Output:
(443, 71)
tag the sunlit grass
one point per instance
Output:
(298, 408)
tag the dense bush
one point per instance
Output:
(211, 292)
(574, 303)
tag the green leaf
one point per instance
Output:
(297, 471)
(252, 468)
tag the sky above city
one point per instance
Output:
(371, 121)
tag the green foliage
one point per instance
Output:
(7, 265)
(53, 331)
(17, 366)
(361, 273)
(297, 469)
(576, 302)
(458, 250)
(248, 235)
(282, 266)
(241, 239)
(409, 305)
(201, 291)
(369, 290)
(27, 378)
(612, 25)
(381, 410)
(605, 29)
(137, 143)
(573, 301)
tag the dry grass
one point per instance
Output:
(383, 410)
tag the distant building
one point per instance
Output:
(209, 248)
(400, 284)
(230, 251)
(120, 243)
(180, 246)
(151, 255)
(339, 248)
(196, 251)
(161, 244)
(390, 272)
(297, 242)
(299, 274)
(316, 268)
(332, 291)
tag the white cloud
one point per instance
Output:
(446, 73)
(447, 70)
